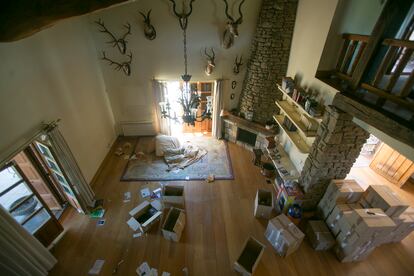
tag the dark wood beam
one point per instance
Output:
(373, 117)
(22, 18)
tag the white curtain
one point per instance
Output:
(218, 105)
(20, 252)
(83, 191)
(160, 95)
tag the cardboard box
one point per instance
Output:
(145, 215)
(173, 196)
(405, 225)
(283, 235)
(356, 254)
(263, 204)
(250, 256)
(335, 221)
(174, 224)
(319, 235)
(339, 192)
(381, 196)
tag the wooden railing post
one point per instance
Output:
(387, 25)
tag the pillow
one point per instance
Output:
(164, 142)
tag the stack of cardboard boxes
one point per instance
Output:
(283, 235)
(362, 220)
(319, 235)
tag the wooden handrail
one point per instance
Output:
(356, 37)
(399, 43)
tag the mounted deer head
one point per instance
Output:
(231, 31)
(149, 30)
(183, 16)
(125, 66)
(120, 43)
(237, 64)
(210, 62)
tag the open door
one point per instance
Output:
(25, 205)
(56, 174)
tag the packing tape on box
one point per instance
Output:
(337, 218)
(375, 214)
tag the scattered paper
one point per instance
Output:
(144, 269)
(156, 193)
(137, 235)
(133, 223)
(100, 222)
(127, 196)
(96, 268)
(145, 192)
(154, 272)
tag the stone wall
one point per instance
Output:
(337, 145)
(269, 58)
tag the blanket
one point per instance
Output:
(179, 158)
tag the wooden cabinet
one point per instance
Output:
(392, 165)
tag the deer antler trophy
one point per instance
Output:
(125, 66)
(210, 61)
(231, 30)
(149, 30)
(121, 42)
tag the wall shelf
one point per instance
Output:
(302, 110)
(291, 112)
(293, 136)
(283, 163)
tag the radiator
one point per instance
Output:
(137, 128)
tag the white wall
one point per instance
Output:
(56, 74)
(162, 58)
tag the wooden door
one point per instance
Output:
(37, 181)
(19, 198)
(392, 165)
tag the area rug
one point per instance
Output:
(151, 168)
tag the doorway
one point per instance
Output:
(205, 92)
(21, 200)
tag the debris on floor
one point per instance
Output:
(145, 192)
(98, 211)
(115, 271)
(96, 268)
(127, 197)
(185, 271)
(119, 151)
(137, 235)
(100, 222)
(210, 178)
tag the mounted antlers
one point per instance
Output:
(125, 66)
(231, 30)
(183, 16)
(149, 30)
(237, 64)
(210, 62)
(120, 43)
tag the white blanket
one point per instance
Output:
(183, 157)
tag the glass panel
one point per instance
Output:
(44, 150)
(26, 209)
(15, 195)
(8, 177)
(37, 221)
(52, 165)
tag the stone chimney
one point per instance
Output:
(269, 58)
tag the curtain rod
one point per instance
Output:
(21, 144)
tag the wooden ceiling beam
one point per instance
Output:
(22, 18)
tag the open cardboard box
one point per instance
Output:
(145, 215)
(173, 196)
(250, 256)
(263, 204)
(174, 224)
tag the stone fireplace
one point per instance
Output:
(246, 136)
(269, 58)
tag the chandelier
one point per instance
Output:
(189, 99)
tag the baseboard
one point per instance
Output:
(104, 161)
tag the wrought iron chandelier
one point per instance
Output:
(189, 99)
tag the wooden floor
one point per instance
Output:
(219, 220)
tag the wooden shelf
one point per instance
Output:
(295, 117)
(302, 110)
(283, 163)
(293, 136)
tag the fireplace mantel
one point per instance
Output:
(248, 125)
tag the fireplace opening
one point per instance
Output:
(246, 137)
